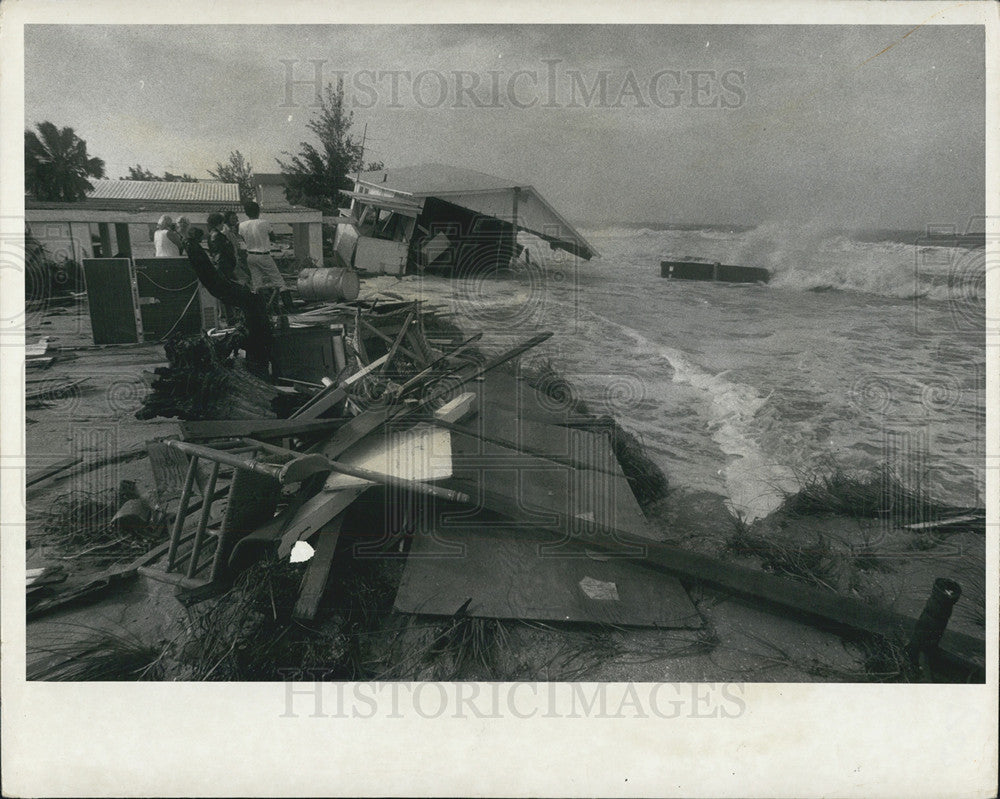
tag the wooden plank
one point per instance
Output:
(256, 428)
(825, 609)
(457, 409)
(421, 452)
(376, 332)
(316, 512)
(333, 395)
(110, 300)
(377, 415)
(403, 331)
(965, 520)
(505, 574)
(517, 398)
(50, 470)
(318, 571)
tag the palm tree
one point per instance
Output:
(56, 164)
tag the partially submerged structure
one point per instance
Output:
(713, 271)
(439, 216)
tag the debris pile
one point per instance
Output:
(205, 380)
(397, 504)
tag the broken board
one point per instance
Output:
(506, 575)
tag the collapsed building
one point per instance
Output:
(436, 216)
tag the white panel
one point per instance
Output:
(380, 256)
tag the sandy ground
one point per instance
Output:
(737, 643)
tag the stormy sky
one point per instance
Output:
(722, 124)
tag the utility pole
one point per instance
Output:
(361, 163)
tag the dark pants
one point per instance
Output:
(255, 316)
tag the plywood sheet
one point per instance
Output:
(505, 391)
(112, 300)
(506, 574)
(588, 448)
(577, 503)
(422, 452)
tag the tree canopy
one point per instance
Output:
(237, 170)
(57, 165)
(138, 173)
(317, 175)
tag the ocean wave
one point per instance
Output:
(755, 483)
(813, 257)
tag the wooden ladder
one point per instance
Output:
(199, 560)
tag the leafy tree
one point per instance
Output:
(138, 173)
(57, 165)
(375, 166)
(237, 170)
(317, 176)
(169, 177)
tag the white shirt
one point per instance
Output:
(165, 248)
(255, 234)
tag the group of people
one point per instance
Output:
(240, 251)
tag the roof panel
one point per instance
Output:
(161, 191)
(485, 194)
(435, 179)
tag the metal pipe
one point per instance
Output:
(428, 489)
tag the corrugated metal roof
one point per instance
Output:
(160, 191)
(427, 180)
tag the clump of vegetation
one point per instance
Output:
(813, 562)
(105, 655)
(79, 524)
(878, 493)
(249, 634)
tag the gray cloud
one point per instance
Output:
(825, 131)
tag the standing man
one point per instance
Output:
(259, 332)
(264, 275)
(232, 231)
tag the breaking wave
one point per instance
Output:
(812, 257)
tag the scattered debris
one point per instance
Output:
(395, 504)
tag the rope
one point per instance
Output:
(179, 318)
(166, 288)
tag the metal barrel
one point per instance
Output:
(328, 284)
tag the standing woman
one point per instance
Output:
(166, 242)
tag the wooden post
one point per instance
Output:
(104, 231)
(122, 239)
(930, 627)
